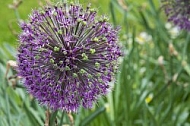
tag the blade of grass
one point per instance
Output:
(88, 119)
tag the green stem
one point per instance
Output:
(53, 118)
(17, 14)
(61, 123)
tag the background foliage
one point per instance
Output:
(152, 87)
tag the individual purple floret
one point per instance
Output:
(67, 56)
(178, 12)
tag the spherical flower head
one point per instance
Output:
(67, 56)
(178, 12)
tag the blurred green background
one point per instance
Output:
(152, 84)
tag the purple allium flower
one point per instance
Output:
(178, 11)
(67, 56)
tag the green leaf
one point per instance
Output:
(88, 119)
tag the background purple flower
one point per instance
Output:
(178, 11)
(66, 56)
